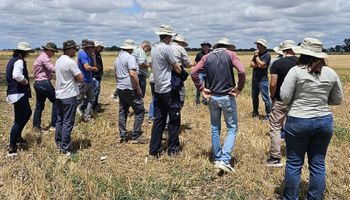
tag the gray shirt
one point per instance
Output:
(122, 66)
(181, 55)
(141, 58)
(162, 60)
(309, 95)
(66, 70)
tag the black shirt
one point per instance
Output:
(99, 63)
(281, 67)
(259, 73)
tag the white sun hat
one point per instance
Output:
(311, 47)
(24, 46)
(262, 42)
(287, 44)
(165, 30)
(99, 43)
(225, 41)
(128, 44)
(180, 38)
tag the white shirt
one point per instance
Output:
(17, 74)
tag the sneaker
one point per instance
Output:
(22, 142)
(86, 118)
(216, 164)
(274, 162)
(38, 129)
(225, 167)
(12, 151)
(140, 140)
(266, 118)
(80, 110)
(123, 140)
(66, 153)
(151, 158)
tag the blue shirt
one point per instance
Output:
(84, 58)
(259, 73)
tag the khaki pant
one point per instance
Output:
(276, 120)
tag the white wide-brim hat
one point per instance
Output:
(287, 44)
(165, 30)
(311, 47)
(180, 38)
(128, 44)
(24, 46)
(99, 43)
(225, 41)
(262, 42)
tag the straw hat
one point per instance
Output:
(50, 46)
(225, 41)
(128, 44)
(262, 42)
(69, 44)
(99, 43)
(287, 44)
(180, 38)
(24, 46)
(311, 47)
(165, 30)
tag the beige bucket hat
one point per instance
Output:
(225, 41)
(128, 44)
(180, 38)
(24, 46)
(287, 44)
(262, 42)
(165, 30)
(311, 47)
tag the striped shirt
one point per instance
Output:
(141, 57)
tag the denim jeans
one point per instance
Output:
(151, 105)
(225, 105)
(97, 89)
(262, 87)
(22, 116)
(203, 78)
(311, 136)
(44, 90)
(142, 82)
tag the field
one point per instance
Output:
(40, 172)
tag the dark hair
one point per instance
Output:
(19, 53)
(313, 64)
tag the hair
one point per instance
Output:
(163, 37)
(146, 42)
(313, 64)
(19, 53)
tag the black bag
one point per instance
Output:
(177, 80)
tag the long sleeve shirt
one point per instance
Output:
(43, 68)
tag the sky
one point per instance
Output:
(113, 21)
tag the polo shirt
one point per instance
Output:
(84, 58)
(259, 73)
(122, 66)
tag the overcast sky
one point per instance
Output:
(112, 21)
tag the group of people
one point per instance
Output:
(296, 98)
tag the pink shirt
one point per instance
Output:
(43, 68)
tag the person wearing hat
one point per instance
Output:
(278, 72)
(166, 101)
(140, 54)
(205, 50)
(97, 76)
(309, 89)
(222, 91)
(18, 94)
(87, 64)
(129, 93)
(43, 70)
(260, 81)
(68, 75)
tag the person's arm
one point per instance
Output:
(241, 73)
(48, 65)
(273, 85)
(185, 58)
(74, 69)
(171, 56)
(195, 73)
(85, 60)
(132, 66)
(288, 86)
(79, 78)
(336, 95)
(17, 73)
(253, 62)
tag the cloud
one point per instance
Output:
(40, 21)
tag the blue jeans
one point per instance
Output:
(227, 106)
(262, 87)
(44, 90)
(311, 136)
(203, 78)
(151, 105)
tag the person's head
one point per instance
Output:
(224, 43)
(98, 46)
(165, 33)
(70, 48)
(88, 46)
(22, 50)
(206, 46)
(179, 39)
(128, 46)
(50, 49)
(285, 48)
(311, 55)
(261, 45)
(146, 46)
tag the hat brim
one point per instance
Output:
(185, 43)
(165, 33)
(278, 50)
(73, 47)
(128, 47)
(261, 44)
(300, 50)
(55, 50)
(28, 50)
(230, 46)
(206, 44)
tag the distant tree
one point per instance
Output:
(346, 45)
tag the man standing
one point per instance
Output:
(87, 64)
(205, 50)
(166, 101)
(260, 82)
(278, 72)
(68, 76)
(222, 92)
(129, 93)
(141, 59)
(97, 76)
(43, 70)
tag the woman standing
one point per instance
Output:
(309, 88)
(18, 94)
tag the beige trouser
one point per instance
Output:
(276, 120)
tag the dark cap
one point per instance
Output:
(87, 43)
(50, 46)
(69, 44)
(206, 43)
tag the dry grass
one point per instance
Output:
(40, 172)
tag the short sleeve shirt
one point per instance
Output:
(66, 70)
(181, 54)
(162, 60)
(122, 65)
(83, 58)
(141, 57)
(259, 73)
